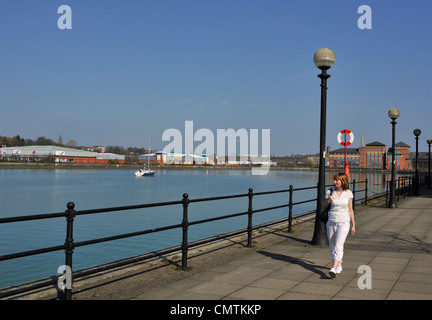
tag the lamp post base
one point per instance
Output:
(320, 234)
(392, 205)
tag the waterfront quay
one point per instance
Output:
(389, 258)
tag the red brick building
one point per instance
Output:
(402, 155)
(373, 156)
(337, 158)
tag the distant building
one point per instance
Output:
(375, 156)
(402, 155)
(423, 160)
(163, 158)
(100, 149)
(57, 154)
(337, 158)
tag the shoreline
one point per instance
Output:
(63, 166)
(67, 166)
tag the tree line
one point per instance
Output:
(18, 141)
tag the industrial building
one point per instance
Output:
(57, 154)
(162, 158)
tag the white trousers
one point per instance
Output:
(336, 234)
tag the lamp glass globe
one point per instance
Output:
(324, 58)
(393, 114)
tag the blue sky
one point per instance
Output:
(221, 64)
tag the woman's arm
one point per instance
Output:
(351, 213)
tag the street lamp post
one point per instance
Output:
(324, 59)
(416, 132)
(429, 141)
(393, 114)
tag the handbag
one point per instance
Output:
(323, 216)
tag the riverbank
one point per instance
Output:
(67, 166)
(47, 165)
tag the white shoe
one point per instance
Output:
(332, 273)
(339, 269)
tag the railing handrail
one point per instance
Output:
(146, 205)
(70, 214)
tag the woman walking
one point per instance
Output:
(340, 220)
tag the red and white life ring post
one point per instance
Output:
(345, 143)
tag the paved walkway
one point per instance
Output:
(394, 245)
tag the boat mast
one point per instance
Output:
(148, 153)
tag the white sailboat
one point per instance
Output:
(146, 171)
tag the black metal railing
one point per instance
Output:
(71, 214)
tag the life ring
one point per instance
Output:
(345, 143)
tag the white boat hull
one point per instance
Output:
(142, 173)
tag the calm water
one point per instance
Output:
(27, 192)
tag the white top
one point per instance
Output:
(339, 206)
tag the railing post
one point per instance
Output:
(353, 192)
(250, 212)
(185, 226)
(290, 208)
(398, 189)
(401, 187)
(69, 247)
(409, 186)
(366, 190)
(387, 193)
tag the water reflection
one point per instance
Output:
(376, 181)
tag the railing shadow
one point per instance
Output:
(306, 264)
